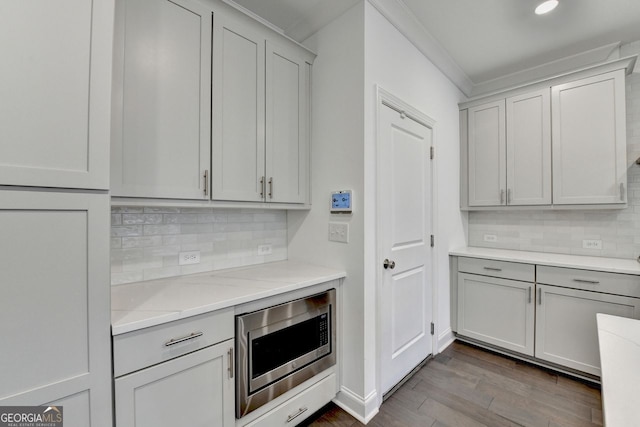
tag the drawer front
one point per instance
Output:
(502, 269)
(295, 410)
(139, 349)
(597, 281)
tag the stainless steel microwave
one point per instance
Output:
(280, 347)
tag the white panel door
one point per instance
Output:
(589, 140)
(196, 389)
(487, 154)
(54, 304)
(161, 137)
(55, 92)
(238, 160)
(566, 329)
(405, 228)
(529, 149)
(496, 311)
(287, 146)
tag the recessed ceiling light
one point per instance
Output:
(546, 7)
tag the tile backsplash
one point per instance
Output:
(146, 241)
(563, 231)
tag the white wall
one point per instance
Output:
(397, 66)
(355, 52)
(337, 162)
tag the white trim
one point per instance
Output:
(445, 339)
(384, 97)
(362, 409)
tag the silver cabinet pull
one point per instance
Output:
(622, 191)
(230, 367)
(592, 282)
(492, 268)
(529, 294)
(297, 414)
(262, 187)
(388, 264)
(174, 341)
(206, 182)
(271, 188)
(540, 296)
(501, 196)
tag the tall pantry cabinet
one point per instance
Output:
(54, 208)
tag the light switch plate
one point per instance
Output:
(339, 232)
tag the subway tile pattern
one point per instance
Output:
(564, 231)
(146, 241)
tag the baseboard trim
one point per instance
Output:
(445, 339)
(362, 409)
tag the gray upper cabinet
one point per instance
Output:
(239, 106)
(560, 142)
(487, 154)
(287, 140)
(529, 149)
(510, 151)
(589, 141)
(57, 76)
(260, 116)
(161, 133)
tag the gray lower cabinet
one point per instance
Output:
(54, 304)
(496, 311)
(176, 373)
(493, 304)
(195, 389)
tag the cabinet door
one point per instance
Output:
(238, 112)
(589, 140)
(287, 142)
(566, 329)
(487, 154)
(161, 130)
(496, 311)
(54, 304)
(55, 93)
(197, 387)
(529, 149)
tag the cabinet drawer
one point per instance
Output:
(502, 269)
(138, 349)
(597, 281)
(296, 409)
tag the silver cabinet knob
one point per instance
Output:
(388, 264)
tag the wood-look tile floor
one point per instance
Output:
(468, 387)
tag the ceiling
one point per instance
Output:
(486, 40)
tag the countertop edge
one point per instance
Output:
(170, 316)
(610, 265)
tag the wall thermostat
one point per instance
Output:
(341, 201)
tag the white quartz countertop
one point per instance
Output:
(143, 304)
(619, 340)
(612, 265)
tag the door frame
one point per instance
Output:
(386, 98)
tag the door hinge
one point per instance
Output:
(431, 152)
(433, 328)
(433, 241)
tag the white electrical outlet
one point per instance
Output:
(266, 249)
(339, 232)
(592, 244)
(490, 238)
(191, 257)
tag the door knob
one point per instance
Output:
(388, 264)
